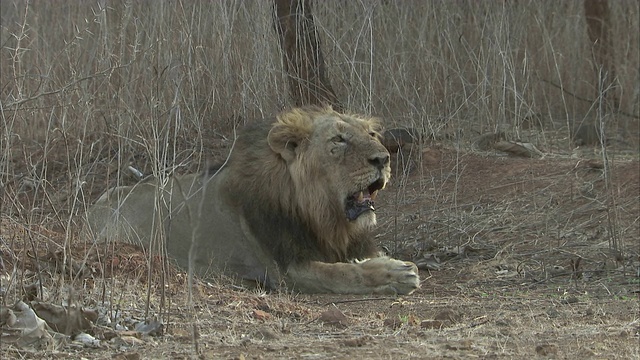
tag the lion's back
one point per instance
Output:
(191, 210)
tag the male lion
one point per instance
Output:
(293, 205)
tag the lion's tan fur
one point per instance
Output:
(276, 211)
(315, 207)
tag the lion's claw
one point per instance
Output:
(393, 276)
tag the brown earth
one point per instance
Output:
(519, 258)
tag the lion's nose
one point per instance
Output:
(379, 161)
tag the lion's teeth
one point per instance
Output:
(360, 197)
(374, 195)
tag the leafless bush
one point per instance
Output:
(88, 89)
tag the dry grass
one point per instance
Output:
(88, 89)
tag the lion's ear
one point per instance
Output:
(376, 125)
(285, 140)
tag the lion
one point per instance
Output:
(293, 207)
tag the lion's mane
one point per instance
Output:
(291, 212)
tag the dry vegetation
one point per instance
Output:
(534, 256)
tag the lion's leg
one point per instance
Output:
(381, 275)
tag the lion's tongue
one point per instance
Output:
(358, 204)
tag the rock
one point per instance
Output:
(395, 139)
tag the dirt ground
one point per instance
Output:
(519, 258)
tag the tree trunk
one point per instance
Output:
(303, 60)
(598, 19)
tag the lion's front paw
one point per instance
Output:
(390, 276)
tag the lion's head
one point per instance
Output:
(318, 171)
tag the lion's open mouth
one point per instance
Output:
(363, 200)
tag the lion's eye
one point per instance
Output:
(338, 139)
